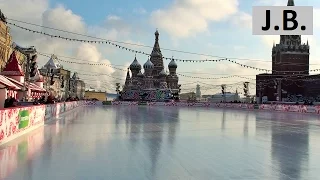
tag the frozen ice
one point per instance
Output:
(167, 143)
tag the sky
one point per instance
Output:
(203, 28)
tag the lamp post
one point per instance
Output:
(223, 91)
(118, 89)
(279, 89)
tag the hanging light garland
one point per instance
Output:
(287, 77)
(141, 52)
(84, 63)
(111, 43)
(223, 77)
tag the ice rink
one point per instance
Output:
(167, 143)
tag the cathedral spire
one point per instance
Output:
(156, 56)
(157, 35)
(290, 3)
(128, 78)
(156, 47)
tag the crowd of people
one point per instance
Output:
(51, 100)
(10, 102)
(13, 102)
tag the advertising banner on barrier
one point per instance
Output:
(16, 121)
(311, 109)
(293, 108)
(271, 107)
(23, 118)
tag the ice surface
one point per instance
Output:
(167, 143)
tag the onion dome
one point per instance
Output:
(172, 64)
(140, 74)
(148, 65)
(163, 73)
(135, 65)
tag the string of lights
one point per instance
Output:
(215, 78)
(109, 65)
(194, 77)
(183, 75)
(80, 63)
(111, 43)
(133, 44)
(141, 52)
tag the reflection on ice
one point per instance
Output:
(167, 143)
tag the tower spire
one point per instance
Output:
(128, 77)
(157, 34)
(290, 3)
(156, 56)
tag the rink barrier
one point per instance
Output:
(270, 107)
(15, 122)
(26, 148)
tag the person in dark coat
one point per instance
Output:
(12, 102)
(6, 103)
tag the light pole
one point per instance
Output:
(279, 89)
(118, 89)
(261, 88)
(223, 91)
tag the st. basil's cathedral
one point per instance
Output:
(154, 83)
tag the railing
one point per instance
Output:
(315, 109)
(17, 121)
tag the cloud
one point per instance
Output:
(113, 18)
(212, 46)
(59, 17)
(242, 19)
(140, 11)
(90, 53)
(185, 18)
(238, 48)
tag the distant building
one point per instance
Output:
(154, 82)
(227, 97)
(198, 92)
(5, 44)
(65, 76)
(290, 79)
(5, 41)
(188, 96)
(52, 80)
(77, 86)
(59, 82)
(101, 96)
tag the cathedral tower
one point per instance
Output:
(127, 82)
(148, 80)
(290, 56)
(163, 79)
(135, 68)
(172, 78)
(156, 56)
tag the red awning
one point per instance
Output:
(33, 87)
(8, 84)
(37, 88)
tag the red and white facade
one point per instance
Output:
(12, 80)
